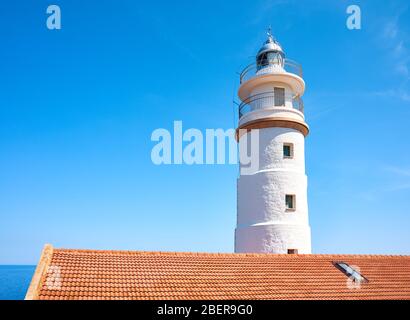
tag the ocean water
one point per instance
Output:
(14, 281)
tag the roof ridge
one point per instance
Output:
(224, 254)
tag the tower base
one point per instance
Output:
(273, 238)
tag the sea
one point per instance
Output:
(14, 281)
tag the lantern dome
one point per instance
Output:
(271, 53)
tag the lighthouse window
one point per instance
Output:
(290, 202)
(279, 96)
(288, 150)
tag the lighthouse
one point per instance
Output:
(272, 205)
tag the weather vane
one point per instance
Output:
(269, 32)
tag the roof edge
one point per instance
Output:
(39, 273)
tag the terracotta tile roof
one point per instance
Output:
(91, 274)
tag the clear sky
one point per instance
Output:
(78, 106)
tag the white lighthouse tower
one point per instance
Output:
(272, 200)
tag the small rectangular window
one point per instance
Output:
(292, 251)
(288, 150)
(290, 202)
(279, 95)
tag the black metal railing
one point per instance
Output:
(267, 101)
(253, 69)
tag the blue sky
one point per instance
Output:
(78, 106)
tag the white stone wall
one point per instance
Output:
(273, 239)
(263, 223)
